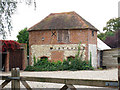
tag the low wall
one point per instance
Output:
(108, 60)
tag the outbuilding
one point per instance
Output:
(58, 35)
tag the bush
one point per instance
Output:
(71, 64)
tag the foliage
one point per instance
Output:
(71, 64)
(90, 63)
(23, 37)
(7, 8)
(112, 33)
(112, 25)
(8, 45)
(103, 36)
(113, 41)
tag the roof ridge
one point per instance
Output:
(63, 20)
(63, 13)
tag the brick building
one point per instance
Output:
(58, 35)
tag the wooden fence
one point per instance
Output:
(15, 79)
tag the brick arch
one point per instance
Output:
(44, 57)
(70, 57)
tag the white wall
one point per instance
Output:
(93, 49)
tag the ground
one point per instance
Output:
(110, 74)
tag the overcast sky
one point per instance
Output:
(97, 12)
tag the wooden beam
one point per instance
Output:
(87, 82)
(71, 87)
(99, 83)
(65, 87)
(15, 83)
(5, 83)
(26, 85)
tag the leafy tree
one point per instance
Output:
(113, 41)
(7, 8)
(23, 37)
(112, 25)
(112, 33)
(103, 36)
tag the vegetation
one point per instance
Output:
(112, 25)
(7, 8)
(23, 38)
(71, 64)
(111, 34)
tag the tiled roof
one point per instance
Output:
(66, 20)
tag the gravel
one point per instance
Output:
(110, 74)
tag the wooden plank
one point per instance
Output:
(15, 83)
(99, 83)
(65, 87)
(71, 87)
(4, 77)
(118, 71)
(5, 83)
(26, 85)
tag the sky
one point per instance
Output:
(97, 12)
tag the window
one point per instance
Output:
(92, 33)
(63, 36)
(53, 33)
(59, 35)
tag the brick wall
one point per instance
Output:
(76, 36)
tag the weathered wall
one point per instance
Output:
(93, 50)
(108, 60)
(16, 58)
(39, 47)
(56, 52)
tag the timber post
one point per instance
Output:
(118, 58)
(15, 73)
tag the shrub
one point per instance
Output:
(71, 64)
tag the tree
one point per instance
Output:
(23, 37)
(113, 41)
(7, 8)
(112, 25)
(103, 36)
(112, 33)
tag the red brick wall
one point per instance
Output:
(92, 39)
(76, 36)
(57, 55)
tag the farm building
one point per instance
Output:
(13, 55)
(58, 35)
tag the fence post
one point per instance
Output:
(15, 85)
(118, 58)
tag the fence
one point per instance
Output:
(15, 78)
